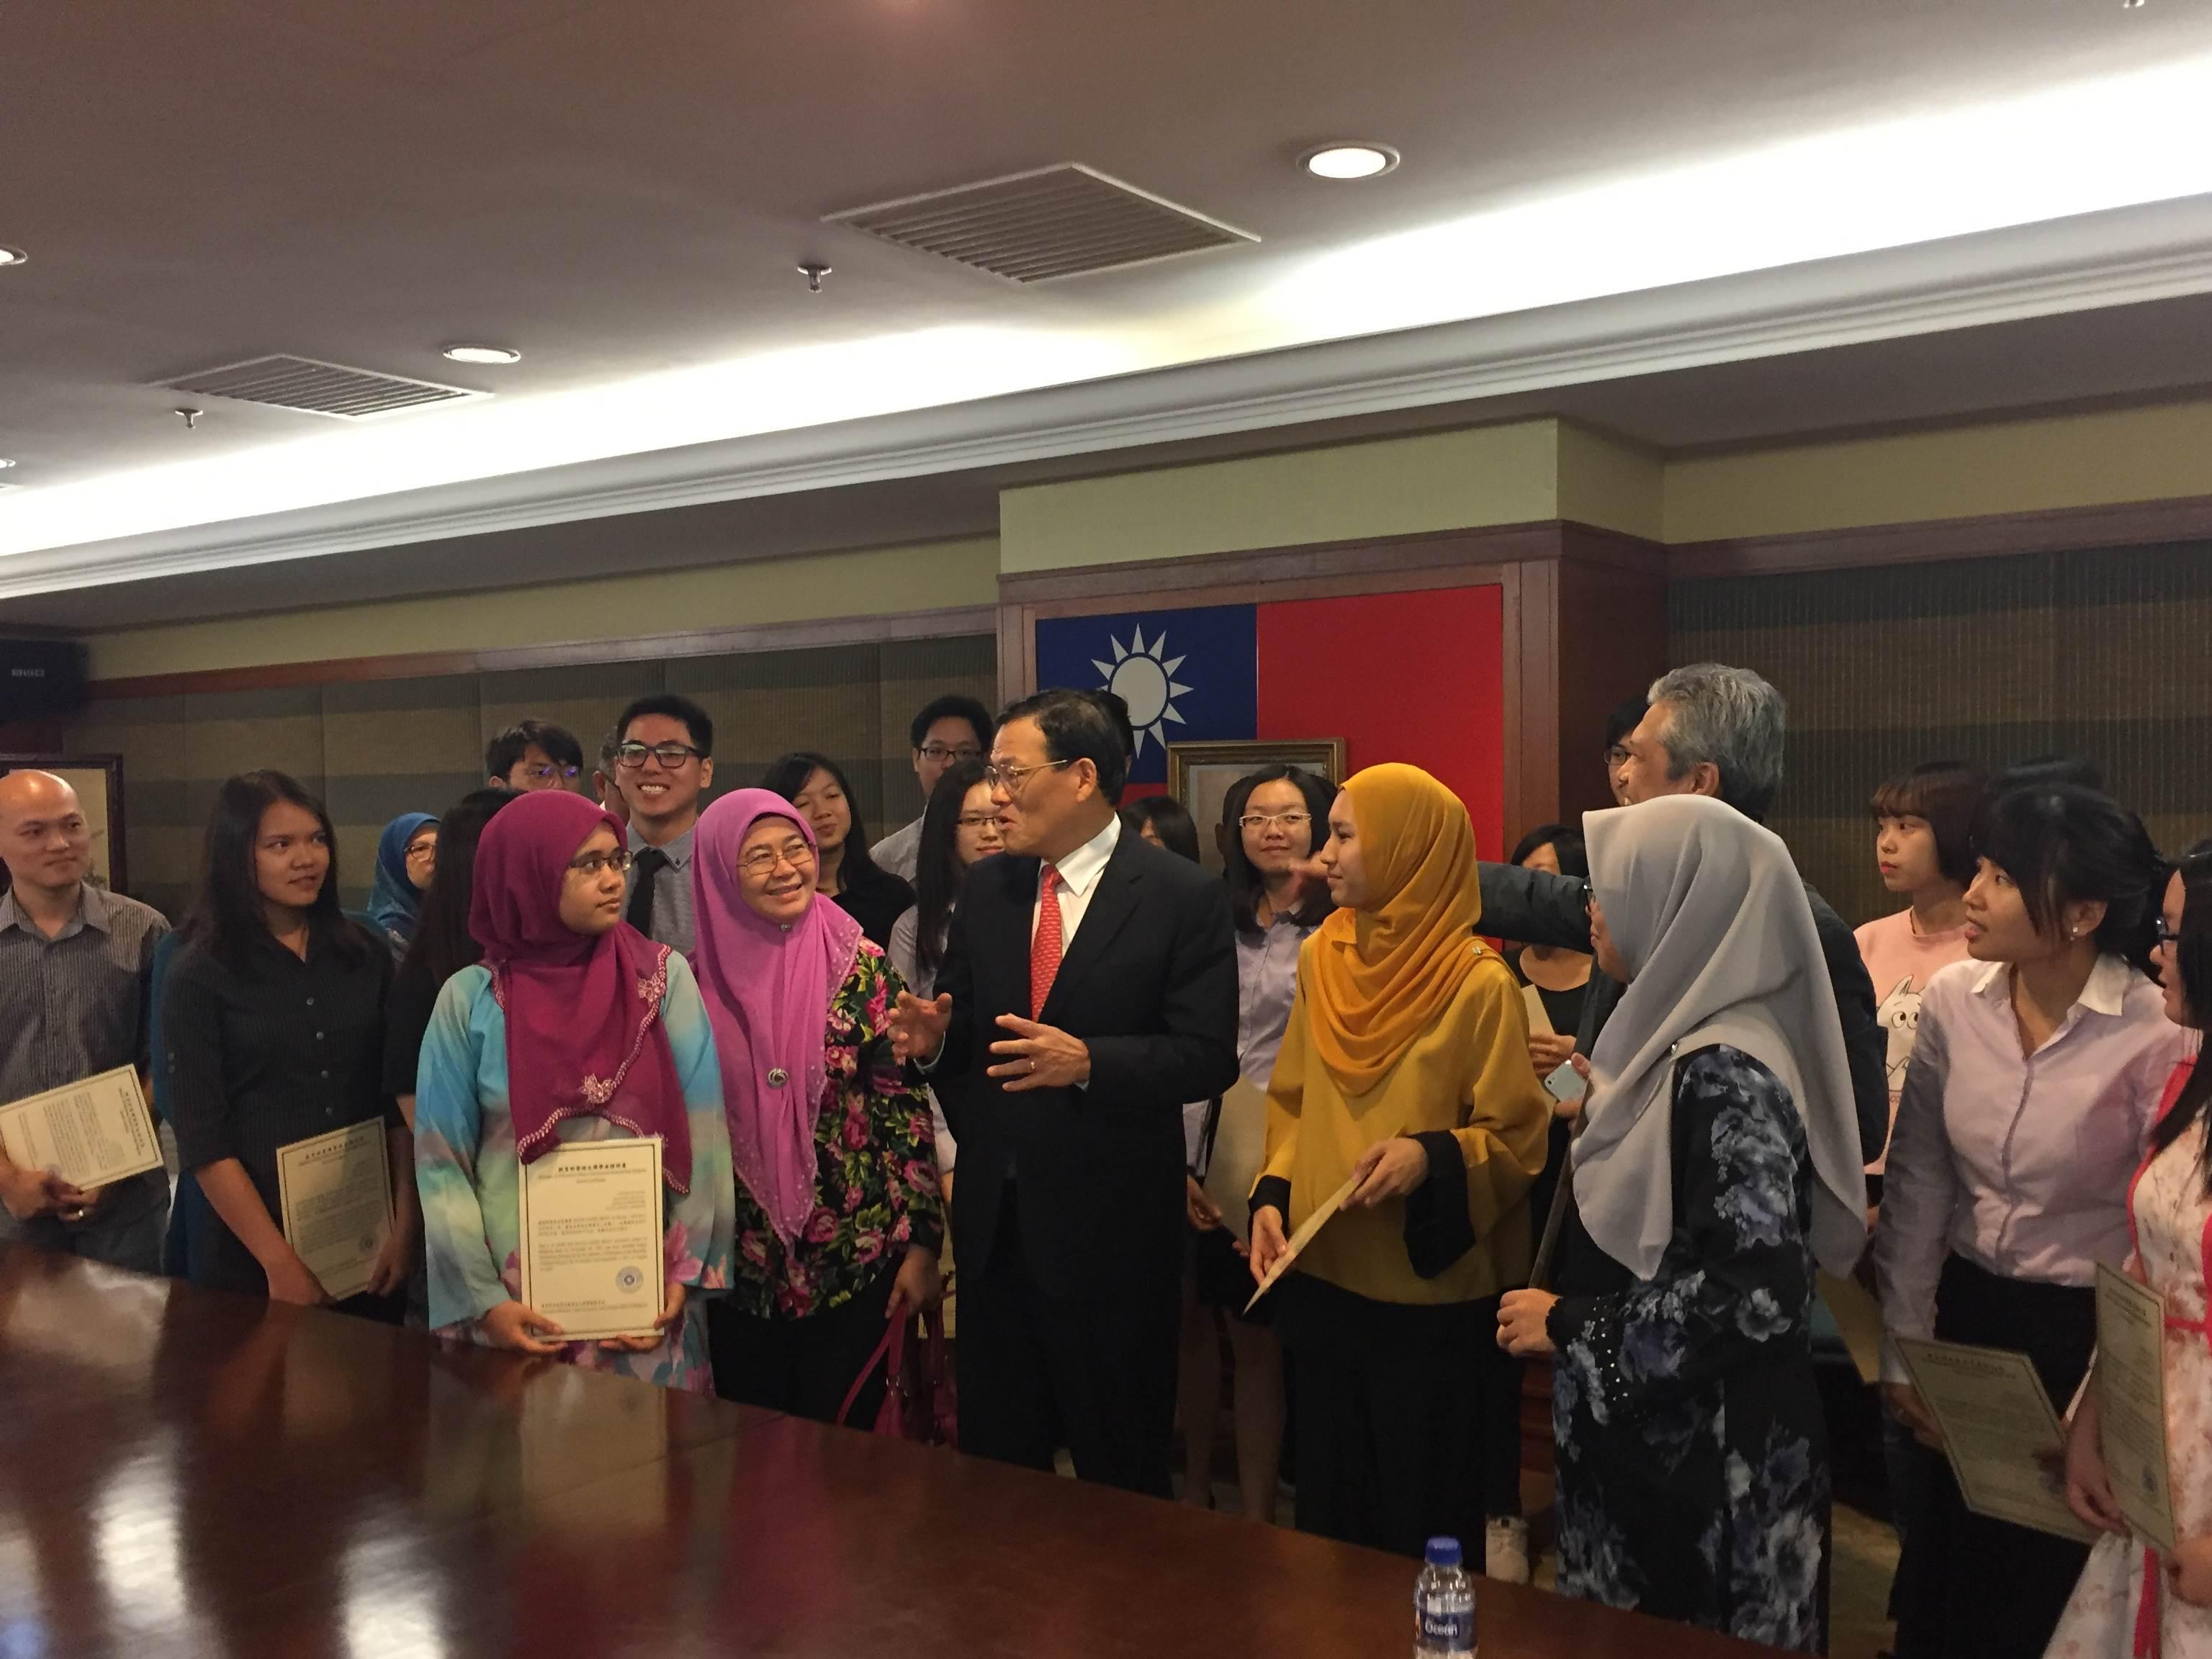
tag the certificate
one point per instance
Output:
(1997, 1422)
(1540, 1018)
(1304, 1236)
(89, 1134)
(1240, 1152)
(591, 1237)
(2130, 1372)
(336, 1191)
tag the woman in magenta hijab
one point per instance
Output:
(838, 1219)
(575, 1027)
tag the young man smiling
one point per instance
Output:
(663, 763)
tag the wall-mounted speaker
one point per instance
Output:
(40, 679)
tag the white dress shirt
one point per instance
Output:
(1078, 880)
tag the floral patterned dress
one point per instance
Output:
(465, 1169)
(875, 1156)
(1692, 1460)
(2172, 1221)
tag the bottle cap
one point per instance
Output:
(1444, 1553)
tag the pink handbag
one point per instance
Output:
(920, 1404)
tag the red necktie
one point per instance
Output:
(1044, 948)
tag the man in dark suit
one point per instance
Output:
(1710, 730)
(1089, 990)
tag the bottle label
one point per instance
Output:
(1453, 1632)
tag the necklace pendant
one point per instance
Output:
(777, 1077)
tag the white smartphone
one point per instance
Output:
(1566, 1083)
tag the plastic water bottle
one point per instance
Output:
(1443, 1604)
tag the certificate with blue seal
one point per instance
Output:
(590, 1254)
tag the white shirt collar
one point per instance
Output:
(2105, 992)
(1081, 868)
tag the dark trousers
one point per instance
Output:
(803, 1367)
(1501, 1436)
(1390, 1421)
(1096, 1374)
(1967, 1585)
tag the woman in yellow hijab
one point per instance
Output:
(1404, 1073)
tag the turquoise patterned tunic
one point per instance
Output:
(465, 1168)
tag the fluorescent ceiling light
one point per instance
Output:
(2064, 151)
(1348, 161)
(482, 354)
(14, 256)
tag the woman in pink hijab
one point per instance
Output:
(574, 1027)
(838, 1219)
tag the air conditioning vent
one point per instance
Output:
(1039, 227)
(314, 387)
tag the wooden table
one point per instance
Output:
(188, 1471)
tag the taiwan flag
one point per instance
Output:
(1413, 677)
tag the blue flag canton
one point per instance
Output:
(1188, 676)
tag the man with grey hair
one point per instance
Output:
(75, 963)
(1711, 730)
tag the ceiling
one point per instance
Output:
(1643, 217)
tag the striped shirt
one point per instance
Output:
(75, 1005)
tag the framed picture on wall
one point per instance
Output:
(98, 781)
(1200, 776)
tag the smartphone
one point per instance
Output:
(1566, 1083)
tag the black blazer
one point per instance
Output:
(1149, 983)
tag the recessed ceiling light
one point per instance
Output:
(5, 463)
(1347, 161)
(14, 256)
(482, 354)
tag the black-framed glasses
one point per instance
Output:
(1262, 820)
(2163, 935)
(959, 752)
(631, 756)
(763, 859)
(1009, 778)
(592, 864)
(1616, 757)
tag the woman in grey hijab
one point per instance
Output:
(1718, 1162)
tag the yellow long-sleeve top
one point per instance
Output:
(1466, 1077)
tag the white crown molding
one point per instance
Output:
(2117, 259)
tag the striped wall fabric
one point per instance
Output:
(376, 749)
(2102, 654)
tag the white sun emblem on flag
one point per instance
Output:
(1143, 677)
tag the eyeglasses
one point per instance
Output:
(1616, 757)
(551, 774)
(2166, 936)
(977, 820)
(763, 859)
(963, 752)
(1009, 778)
(671, 756)
(1262, 820)
(592, 864)
(423, 849)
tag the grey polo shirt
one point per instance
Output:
(75, 1005)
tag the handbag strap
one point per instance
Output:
(891, 1349)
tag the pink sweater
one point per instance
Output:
(1900, 962)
